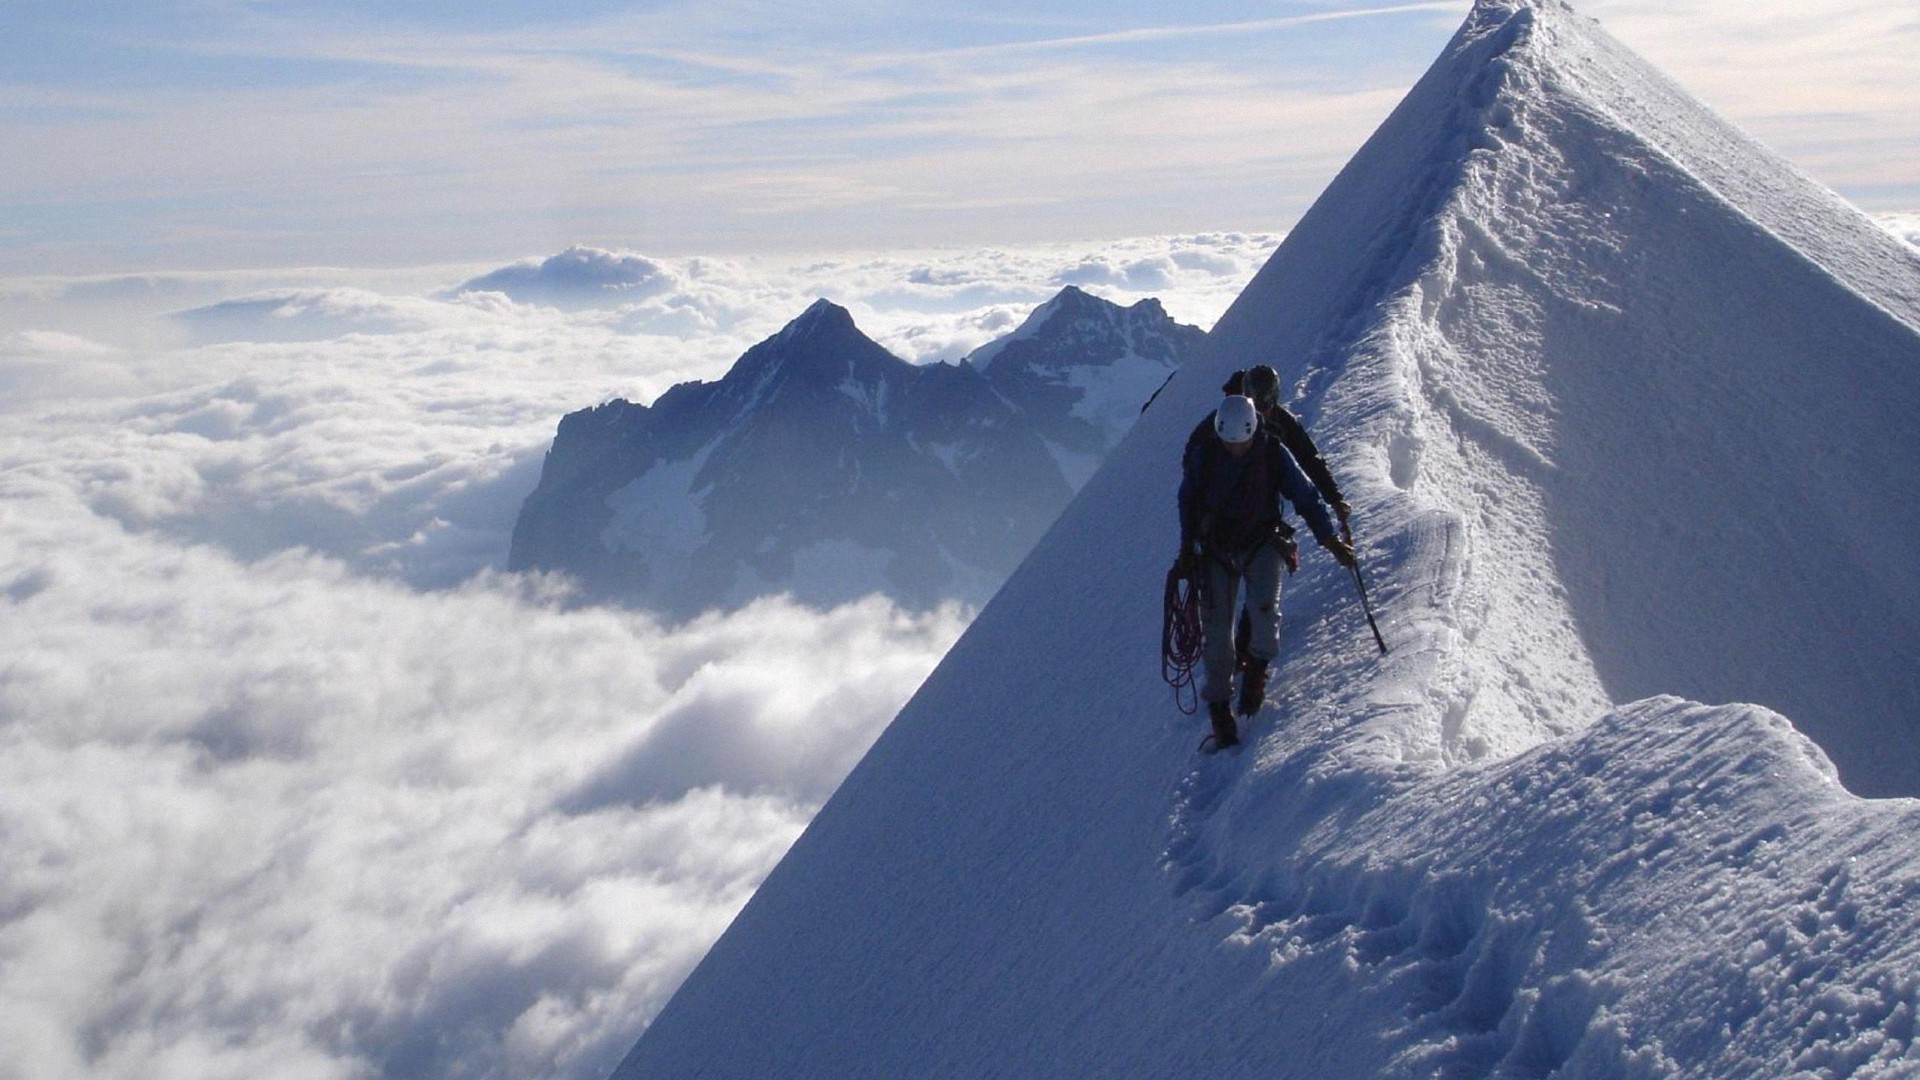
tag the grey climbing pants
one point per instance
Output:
(1259, 572)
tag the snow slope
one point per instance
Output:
(1621, 402)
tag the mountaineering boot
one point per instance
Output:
(1225, 732)
(1253, 686)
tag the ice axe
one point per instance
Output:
(1368, 608)
(1361, 584)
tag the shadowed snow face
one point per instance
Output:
(293, 780)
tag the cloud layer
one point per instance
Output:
(400, 432)
(1906, 226)
(277, 820)
(577, 277)
(294, 782)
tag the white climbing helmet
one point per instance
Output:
(1235, 420)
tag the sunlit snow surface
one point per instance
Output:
(293, 781)
(1625, 408)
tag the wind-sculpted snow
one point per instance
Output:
(1622, 405)
(1677, 889)
(1664, 435)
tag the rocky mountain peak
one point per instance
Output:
(821, 347)
(824, 466)
(1074, 323)
(823, 319)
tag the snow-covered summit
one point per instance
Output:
(1649, 386)
(1624, 406)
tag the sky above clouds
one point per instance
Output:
(209, 134)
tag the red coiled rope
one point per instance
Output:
(1181, 642)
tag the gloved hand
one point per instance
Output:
(1343, 511)
(1290, 553)
(1341, 551)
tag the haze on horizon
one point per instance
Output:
(211, 134)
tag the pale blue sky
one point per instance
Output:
(194, 134)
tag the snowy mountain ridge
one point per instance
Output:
(824, 466)
(1624, 408)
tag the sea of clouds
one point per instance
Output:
(1906, 226)
(295, 781)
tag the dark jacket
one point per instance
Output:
(1232, 505)
(1293, 435)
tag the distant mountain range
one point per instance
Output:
(824, 466)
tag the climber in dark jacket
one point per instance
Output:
(1262, 384)
(1233, 530)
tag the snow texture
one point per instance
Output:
(1623, 404)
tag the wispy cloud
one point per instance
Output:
(1178, 32)
(1829, 84)
(672, 131)
(751, 126)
